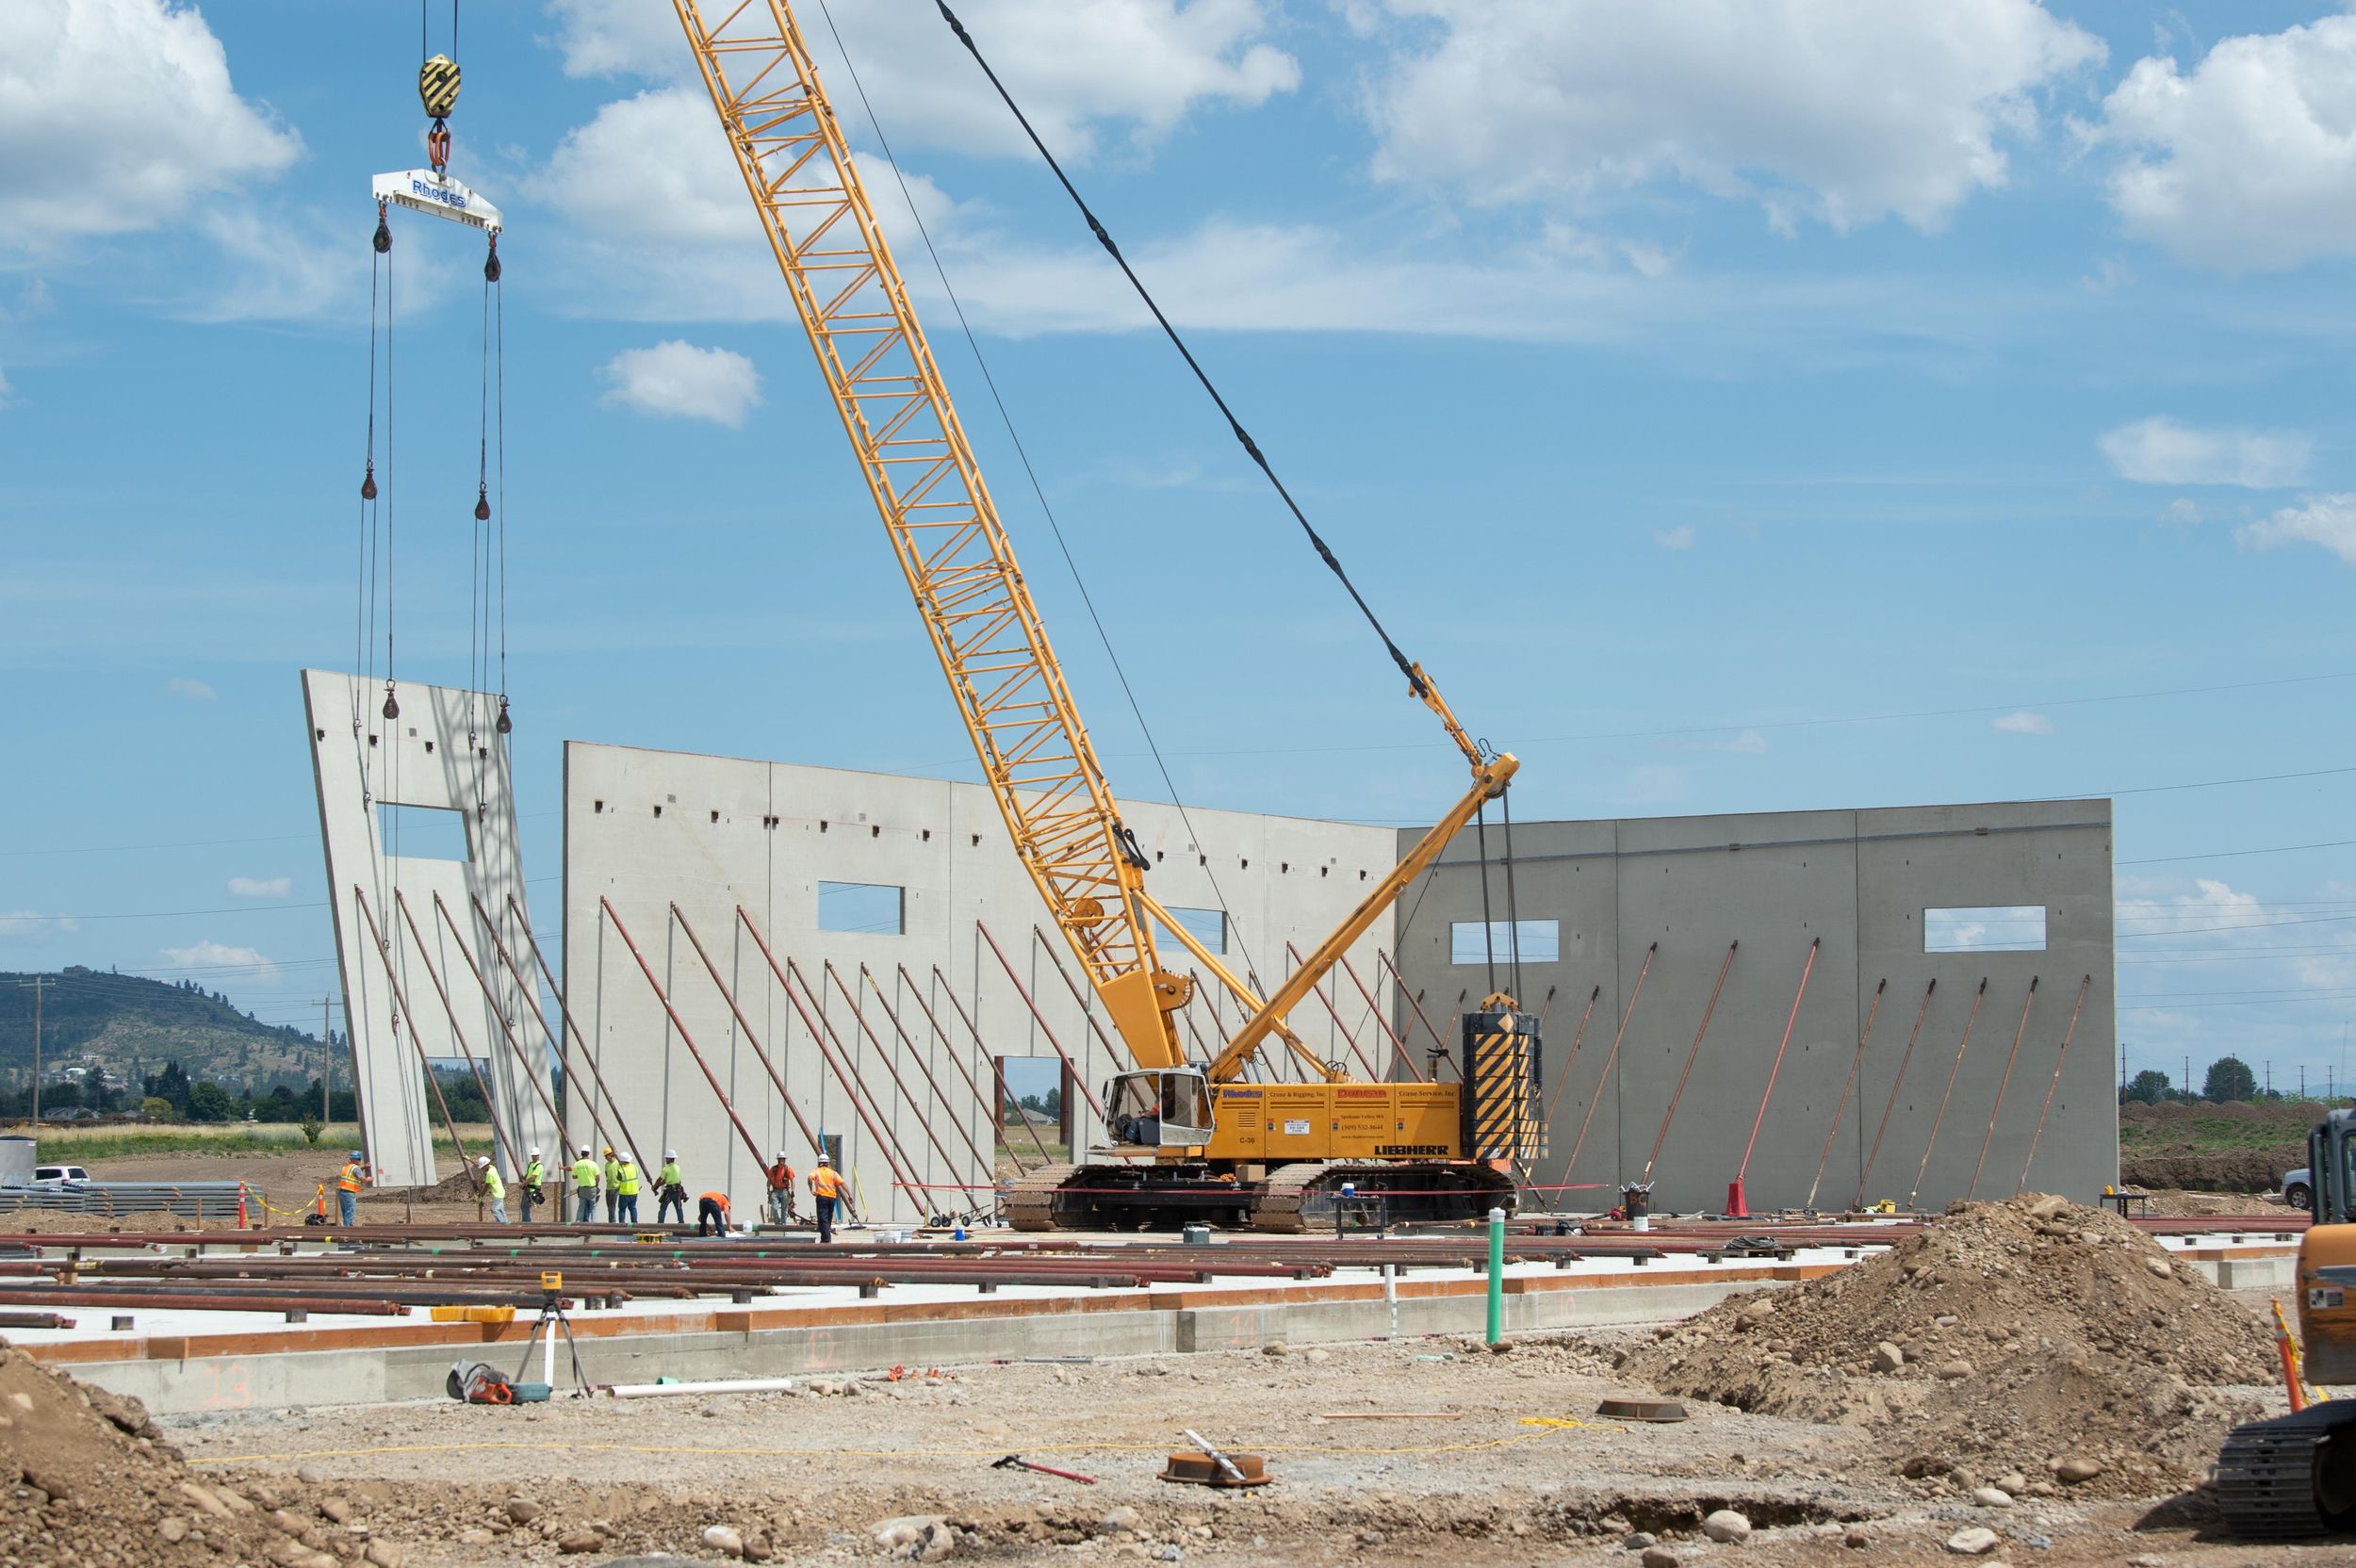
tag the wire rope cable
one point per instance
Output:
(1038, 489)
(1252, 448)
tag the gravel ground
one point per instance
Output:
(807, 1476)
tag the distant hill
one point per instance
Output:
(134, 1025)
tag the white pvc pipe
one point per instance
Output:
(732, 1385)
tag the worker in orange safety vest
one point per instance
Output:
(349, 1182)
(831, 1191)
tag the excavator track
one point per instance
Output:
(1032, 1202)
(1297, 1197)
(2291, 1478)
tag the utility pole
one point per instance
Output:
(2187, 1075)
(327, 1050)
(35, 982)
(2123, 1069)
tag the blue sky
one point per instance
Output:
(1736, 406)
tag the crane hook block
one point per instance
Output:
(437, 86)
(491, 262)
(368, 484)
(382, 240)
(482, 503)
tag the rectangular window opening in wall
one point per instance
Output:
(873, 908)
(1995, 928)
(1540, 941)
(1208, 926)
(422, 832)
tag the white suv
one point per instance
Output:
(58, 1175)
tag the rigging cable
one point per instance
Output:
(1325, 552)
(1036, 488)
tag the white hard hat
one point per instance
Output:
(781, 1153)
(823, 1160)
(482, 1159)
(670, 1154)
(584, 1151)
(535, 1153)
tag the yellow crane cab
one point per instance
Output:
(1156, 1108)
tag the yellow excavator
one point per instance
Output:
(2295, 1475)
(1183, 1140)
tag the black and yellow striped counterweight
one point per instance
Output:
(1503, 1115)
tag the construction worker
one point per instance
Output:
(535, 1175)
(626, 1190)
(780, 1190)
(613, 1181)
(348, 1183)
(586, 1177)
(494, 1187)
(670, 1188)
(828, 1186)
(711, 1214)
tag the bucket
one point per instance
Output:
(1195, 1235)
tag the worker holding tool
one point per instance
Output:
(585, 1175)
(494, 1188)
(670, 1188)
(780, 1190)
(535, 1175)
(625, 1189)
(711, 1214)
(612, 1184)
(827, 1186)
(348, 1183)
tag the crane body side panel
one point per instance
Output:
(1279, 1124)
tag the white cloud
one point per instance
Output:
(31, 926)
(260, 886)
(212, 955)
(2022, 724)
(675, 380)
(2159, 450)
(2328, 521)
(1081, 69)
(1678, 538)
(274, 268)
(2249, 163)
(195, 691)
(8, 393)
(120, 114)
(1845, 110)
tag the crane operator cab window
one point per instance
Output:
(1170, 1107)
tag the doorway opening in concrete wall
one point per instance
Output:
(423, 832)
(1035, 1107)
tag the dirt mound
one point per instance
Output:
(2228, 1170)
(84, 1471)
(2023, 1332)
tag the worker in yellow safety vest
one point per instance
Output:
(536, 1176)
(494, 1187)
(586, 1177)
(349, 1182)
(613, 1180)
(670, 1188)
(829, 1187)
(626, 1190)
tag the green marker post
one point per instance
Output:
(1496, 1275)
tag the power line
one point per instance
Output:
(2232, 854)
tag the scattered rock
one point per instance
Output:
(383, 1554)
(1659, 1556)
(572, 1541)
(1316, 1358)
(724, 1541)
(522, 1511)
(1727, 1527)
(335, 1509)
(2076, 1469)
(1123, 1518)
(1888, 1357)
(1276, 1347)
(1954, 1371)
(1168, 1554)
(2159, 1268)
(2014, 1483)
(757, 1548)
(173, 1529)
(1639, 1541)
(1991, 1496)
(1974, 1540)
(1856, 1539)
(484, 1538)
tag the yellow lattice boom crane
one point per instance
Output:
(1183, 1140)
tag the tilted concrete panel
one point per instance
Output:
(393, 944)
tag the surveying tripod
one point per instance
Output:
(553, 1312)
